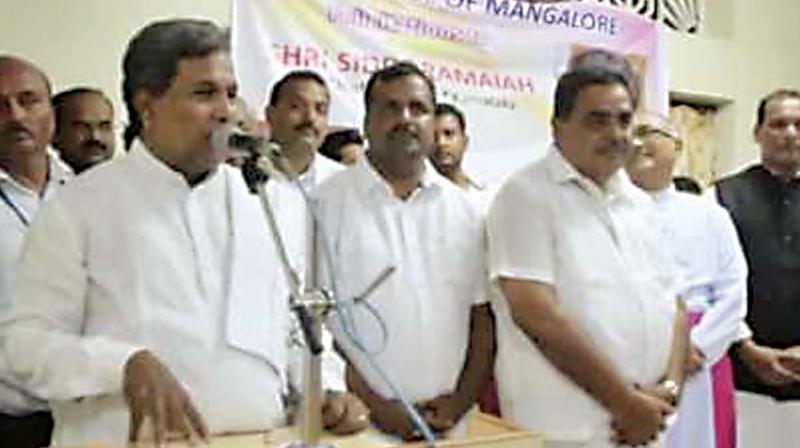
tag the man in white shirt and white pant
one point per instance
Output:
(30, 172)
(591, 341)
(392, 210)
(150, 290)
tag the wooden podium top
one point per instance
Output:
(482, 430)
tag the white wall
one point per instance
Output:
(748, 47)
(82, 41)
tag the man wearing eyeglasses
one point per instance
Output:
(711, 270)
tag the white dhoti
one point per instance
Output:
(694, 421)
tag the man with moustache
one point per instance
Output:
(392, 210)
(591, 338)
(29, 174)
(157, 309)
(84, 127)
(763, 201)
(297, 115)
(451, 144)
(712, 274)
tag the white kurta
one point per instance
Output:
(15, 217)
(297, 226)
(712, 279)
(600, 252)
(129, 256)
(298, 232)
(434, 240)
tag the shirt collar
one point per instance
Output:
(316, 172)
(663, 195)
(561, 171)
(309, 179)
(143, 157)
(59, 173)
(792, 183)
(371, 181)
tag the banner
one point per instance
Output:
(497, 60)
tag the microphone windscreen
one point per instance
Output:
(221, 136)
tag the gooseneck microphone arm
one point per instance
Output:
(264, 160)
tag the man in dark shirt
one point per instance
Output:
(764, 201)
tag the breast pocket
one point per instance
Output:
(362, 254)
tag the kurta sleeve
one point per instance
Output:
(723, 323)
(42, 331)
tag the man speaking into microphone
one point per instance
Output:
(157, 309)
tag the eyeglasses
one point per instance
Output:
(643, 131)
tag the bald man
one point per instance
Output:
(29, 173)
(701, 240)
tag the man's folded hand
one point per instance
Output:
(343, 413)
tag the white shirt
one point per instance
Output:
(15, 217)
(289, 203)
(712, 270)
(434, 240)
(321, 169)
(712, 278)
(130, 256)
(297, 231)
(600, 252)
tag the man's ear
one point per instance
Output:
(365, 128)
(142, 103)
(756, 137)
(269, 113)
(555, 129)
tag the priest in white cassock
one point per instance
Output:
(712, 276)
(150, 303)
(392, 210)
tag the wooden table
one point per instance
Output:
(482, 431)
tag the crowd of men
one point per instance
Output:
(142, 297)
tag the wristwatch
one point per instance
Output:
(673, 389)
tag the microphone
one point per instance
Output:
(228, 136)
(264, 158)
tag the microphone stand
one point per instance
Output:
(311, 305)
